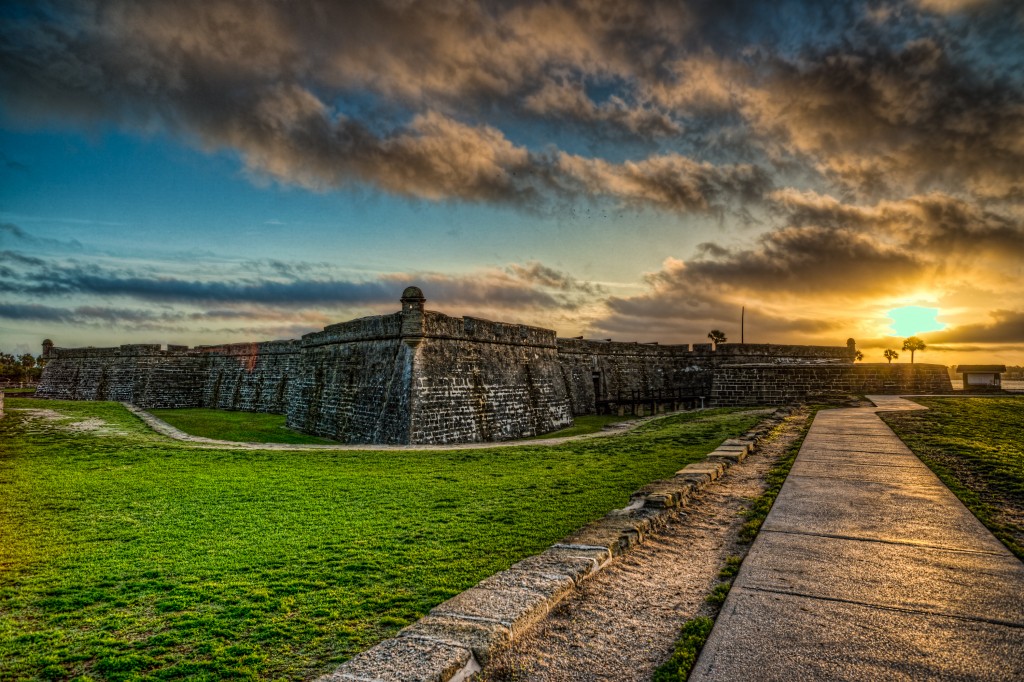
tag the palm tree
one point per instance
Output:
(891, 355)
(717, 336)
(913, 343)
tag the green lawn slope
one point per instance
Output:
(126, 555)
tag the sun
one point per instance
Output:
(913, 319)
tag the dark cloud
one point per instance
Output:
(85, 315)
(932, 227)
(882, 118)
(402, 95)
(1006, 327)
(275, 294)
(275, 82)
(54, 279)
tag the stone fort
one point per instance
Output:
(420, 376)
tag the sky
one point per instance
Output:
(210, 171)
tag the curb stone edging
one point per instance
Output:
(458, 636)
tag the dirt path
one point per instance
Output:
(621, 625)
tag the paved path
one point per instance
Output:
(869, 568)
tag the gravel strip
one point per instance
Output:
(621, 624)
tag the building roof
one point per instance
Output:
(975, 369)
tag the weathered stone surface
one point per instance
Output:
(666, 493)
(713, 470)
(747, 445)
(481, 637)
(405, 659)
(727, 455)
(574, 562)
(616, 533)
(622, 369)
(516, 608)
(550, 584)
(766, 384)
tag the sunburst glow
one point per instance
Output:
(913, 319)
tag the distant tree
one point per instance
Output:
(858, 356)
(890, 355)
(28, 361)
(913, 343)
(717, 336)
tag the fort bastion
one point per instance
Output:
(420, 376)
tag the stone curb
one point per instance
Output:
(460, 635)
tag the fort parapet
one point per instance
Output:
(419, 376)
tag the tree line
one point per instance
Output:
(20, 368)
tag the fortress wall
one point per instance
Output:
(361, 329)
(477, 380)
(647, 369)
(781, 384)
(353, 383)
(624, 368)
(248, 377)
(120, 373)
(421, 376)
(777, 353)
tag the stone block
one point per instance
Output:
(665, 494)
(729, 457)
(483, 638)
(515, 608)
(403, 659)
(745, 445)
(713, 470)
(617, 534)
(576, 561)
(550, 584)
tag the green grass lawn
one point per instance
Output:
(125, 555)
(975, 446)
(244, 427)
(587, 423)
(251, 427)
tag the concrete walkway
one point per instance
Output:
(869, 568)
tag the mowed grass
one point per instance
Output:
(243, 427)
(128, 556)
(584, 424)
(30, 390)
(249, 427)
(975, 446)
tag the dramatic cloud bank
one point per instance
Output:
(857, 155)
(268, 299)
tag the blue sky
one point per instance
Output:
(200, 172)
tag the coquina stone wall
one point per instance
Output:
(477, 380)
(761, 384)
(606, 370)
(249, 377)
(420, 376)
(353, 382)
(252, 377)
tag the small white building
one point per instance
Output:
(982, 377)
